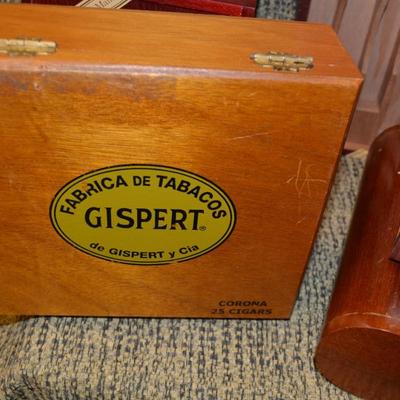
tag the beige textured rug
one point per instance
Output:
(6, 320)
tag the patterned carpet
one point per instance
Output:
(110, 358)
(277, 9)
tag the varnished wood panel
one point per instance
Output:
(323, 11)
(359, 349)
(270, 140)
(170, 40)
(370, 31)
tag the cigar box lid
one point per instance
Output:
(193, 44)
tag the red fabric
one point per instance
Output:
(243, 8)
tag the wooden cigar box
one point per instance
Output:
(164, 164)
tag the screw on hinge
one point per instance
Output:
(283, 61)
(27, 47)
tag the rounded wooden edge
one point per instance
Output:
(361, 354)
(359, 350)
(393, 130)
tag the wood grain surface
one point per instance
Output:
(360, 346)
(121, 39)
(174, 90)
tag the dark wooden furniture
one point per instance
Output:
(359, 349)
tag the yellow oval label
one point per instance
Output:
(143, 214)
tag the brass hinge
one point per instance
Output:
(283, 61)
(27, 47)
